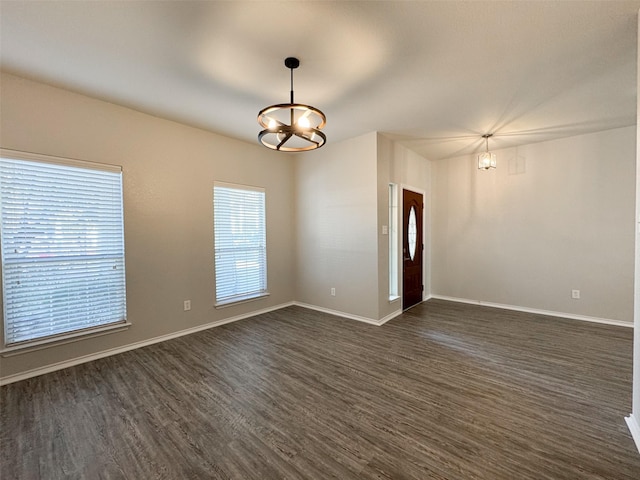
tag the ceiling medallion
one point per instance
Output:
(292, 127)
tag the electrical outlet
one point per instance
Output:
(333, 291)
(187, 305)
(575, 294)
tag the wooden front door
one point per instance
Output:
(412, 248)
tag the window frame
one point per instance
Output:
(76, 334)
(247, 296)
(394, 245)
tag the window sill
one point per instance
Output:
(62, 339)
(393, 298)
(243, 299)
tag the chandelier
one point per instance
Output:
(292, 127)
(487, 160)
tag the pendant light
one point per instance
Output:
(487, 159)
(292, 127)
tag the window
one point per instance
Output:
(61, 228)
(393, 241)
(239, 243)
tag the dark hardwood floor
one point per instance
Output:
(445, 391)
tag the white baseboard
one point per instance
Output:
(634, 428)
(584, 318)
(162, 338)
(132, 346)
(391, 316)
(358, 318)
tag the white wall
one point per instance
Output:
(553, 217)
(168, 174)
(336, 222)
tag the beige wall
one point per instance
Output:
(168, 172)
(405, 168)
(336, 221)
(636, 334)
(342, 204)
(324, 216)
(553, 217)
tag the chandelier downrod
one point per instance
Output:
(291, 63)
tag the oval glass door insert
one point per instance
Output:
(412, 232)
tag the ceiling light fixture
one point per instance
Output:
(487, 160)
(292, 127)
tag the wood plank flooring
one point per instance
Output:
(445, 391)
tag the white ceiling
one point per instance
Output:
(436, 75)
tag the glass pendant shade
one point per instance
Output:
(292, 127)
(487, 160)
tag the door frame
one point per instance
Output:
(426, 240)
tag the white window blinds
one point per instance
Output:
(239, 243)
(62, 248)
